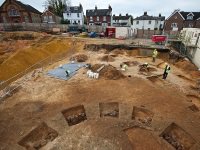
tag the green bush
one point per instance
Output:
(65, 21)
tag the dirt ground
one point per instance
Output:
(137, 111)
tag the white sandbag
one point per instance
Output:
(88, 72)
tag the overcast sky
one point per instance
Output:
(134, 7)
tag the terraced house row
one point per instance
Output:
(13, 11)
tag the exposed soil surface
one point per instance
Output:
(177, 137)
(75, 115)
(79, 58)
(122, 110)
(107, 58)
(38, 137)
(108, 72)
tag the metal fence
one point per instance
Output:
(7, 87)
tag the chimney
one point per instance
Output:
(159, 14)
(80, 5)
(95, 7)
(120, 15)
(109, 7)
(145, 13)
(127, 14)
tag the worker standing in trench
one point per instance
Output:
(166, 71)
(155, 54)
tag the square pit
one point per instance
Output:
(142, 115)
(178, 137)
(109, 109)
(75, 115)
(38, 137)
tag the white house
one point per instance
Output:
(74, 14)
(124, 21)
(147, 22)
(191, 39)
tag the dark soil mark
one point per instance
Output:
(38, 137)
(194, 108)
(75, 115)
(178, 137)
(109, 109)
(142, 115)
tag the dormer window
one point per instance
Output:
(190, 17)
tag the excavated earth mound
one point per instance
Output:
(108, 72)
(107, 58)
(79, 58)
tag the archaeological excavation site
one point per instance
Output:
(72, 93)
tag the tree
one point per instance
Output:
(58, 6)
(85, 19)
(64, 21)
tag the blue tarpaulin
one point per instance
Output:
(60, 72)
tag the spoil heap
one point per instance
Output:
(108, 72)
(107, 58)
(79, 58)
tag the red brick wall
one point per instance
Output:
(4, 13)
(176, 18)
(197, 24)
(48, 13)
(186, 24)
(108, 19)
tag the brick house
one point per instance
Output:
(180, 19)
(49, 17)
(13, 11)
(101, 17)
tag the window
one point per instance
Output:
(174, 25)
(91, 18)
(78, 15)
(137, 22)
(149, 21)
(190, 25)
(50, 19)
(67, 14)
(97, 18)
(45, 18)
(156, 21)
(175, 17)
(189, 17)
(13, 12)
(26, 19)
(104, 18)
(79, 22)
(104, 24)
